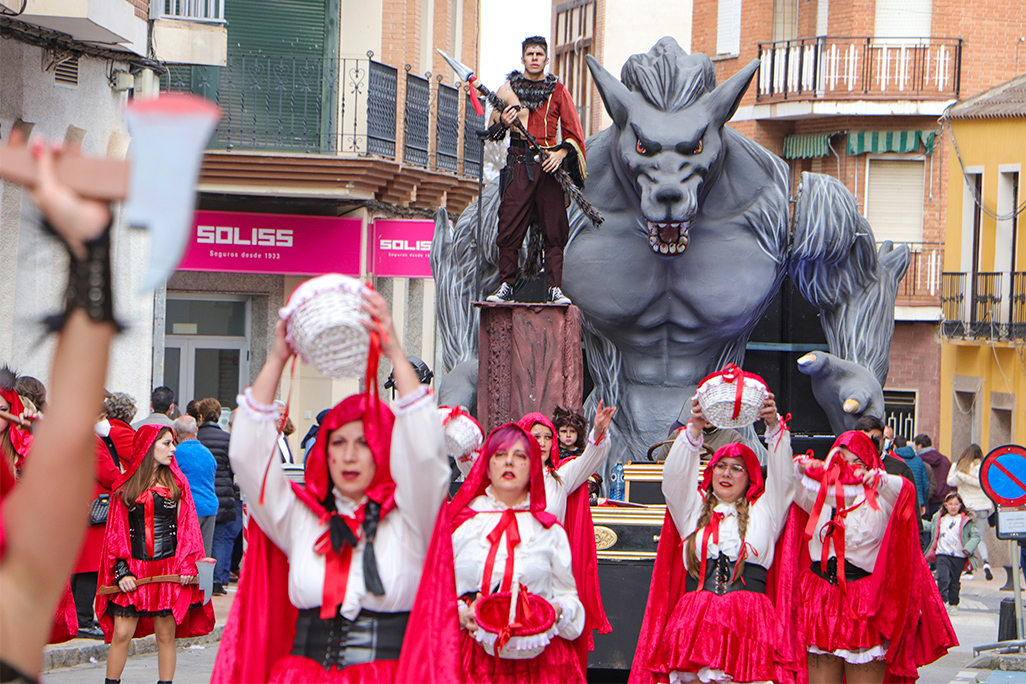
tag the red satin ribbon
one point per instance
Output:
(508, 525)
(713, 530)
(473, 97)
(146, 499)
(336, 566)
(834, 530)
(732, 373)
(741, 557)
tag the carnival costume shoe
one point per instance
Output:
(556, 296)
(503, 295)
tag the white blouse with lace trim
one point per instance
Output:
(420, 469)
(766, 517)
(541, 561)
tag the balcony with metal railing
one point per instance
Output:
(984, 306)
(340, 106)
(194, 10)
(921, 284)
(859, 68)
(338, 127)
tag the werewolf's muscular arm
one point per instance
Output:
(835, 263)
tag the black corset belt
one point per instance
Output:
(342, 642)
(718, 572)
(851, 572)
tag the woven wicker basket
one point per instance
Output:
(323, 319)
(718, 397)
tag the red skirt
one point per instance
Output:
(558, 664)
(65, 619)
(831, 619)
(735, 632)
(293, 668)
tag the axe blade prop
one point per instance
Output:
(169, 135)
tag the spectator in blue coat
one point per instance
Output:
(908, 453)
(199, 467)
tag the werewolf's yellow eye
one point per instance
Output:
(698, 148)
(641, 148)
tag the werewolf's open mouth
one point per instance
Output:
(668, 238)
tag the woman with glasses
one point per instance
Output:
(708, 616)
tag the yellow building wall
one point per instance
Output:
(983, 382)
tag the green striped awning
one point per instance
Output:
(807, 145)
(861, 142)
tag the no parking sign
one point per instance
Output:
(1003, 478)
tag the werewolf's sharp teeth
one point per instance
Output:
(664, 249)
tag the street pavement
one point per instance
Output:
(975, 623)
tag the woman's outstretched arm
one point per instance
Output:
(45, 517)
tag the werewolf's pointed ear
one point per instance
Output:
(723, 101)
(615, 95)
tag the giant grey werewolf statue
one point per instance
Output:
(697, 240)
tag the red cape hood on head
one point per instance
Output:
(477, 481)
(21, 439)
(580, 530)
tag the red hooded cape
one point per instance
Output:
(262, 622)
(477, 482)
(669, 576)
(907, 605)
(192, 617)
(581, 532)
(65, 616)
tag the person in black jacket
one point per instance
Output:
(229, 509)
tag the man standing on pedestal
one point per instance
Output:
(548, 113)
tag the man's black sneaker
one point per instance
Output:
(556, 296)
(502, 295)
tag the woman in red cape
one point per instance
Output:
(157, 535)
(503, 534)
(331, 587)
(16, 444)
(881, 617)
(712, 612)
(566, 495)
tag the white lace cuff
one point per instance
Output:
(567, 614)
(687, 436)
(254, 409)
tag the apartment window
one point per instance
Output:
(575, 31)
(900, 412)
(785, 20)
(903, 18)
(1007, 228)
(894, 199)
(728, 27)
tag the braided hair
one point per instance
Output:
(694, 563)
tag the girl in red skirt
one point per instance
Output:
(505, 544)
(331, 586)
(708, 616)
(152, 532)
(866, 604)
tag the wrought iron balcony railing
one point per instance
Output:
(343, 106)
(922, 282)
(832, 68)
(988, 306)
(196, 10)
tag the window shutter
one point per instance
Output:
(728, 27)
(903, 18)
(894, 199)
